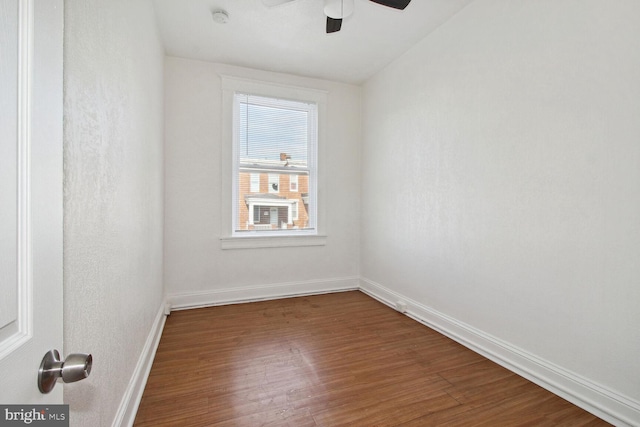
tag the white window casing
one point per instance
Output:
(310, 235)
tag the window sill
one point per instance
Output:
(256, 242)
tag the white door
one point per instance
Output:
(30, 195)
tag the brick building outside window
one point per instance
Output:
(273, 194)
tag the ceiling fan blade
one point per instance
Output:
(333, 25)
(272, 3)
(396, 4)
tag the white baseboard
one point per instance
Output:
(600, 401)
(182, 301)
(133, 394)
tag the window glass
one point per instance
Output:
(255, 183)
(274, 183)
(275, 141)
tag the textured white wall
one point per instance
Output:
(113, 195)
(194, 261)
(512, 135)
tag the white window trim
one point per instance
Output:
(279, 238)
(291, 181)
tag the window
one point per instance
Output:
(274, 138)
(274, 183)
(272, 132)
(255, 183)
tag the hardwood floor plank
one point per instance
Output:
(330, 360)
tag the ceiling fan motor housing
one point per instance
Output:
(338, 9)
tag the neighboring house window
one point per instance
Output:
(293, 183)
(255, 183)
(274, 183)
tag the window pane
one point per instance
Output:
(275, 140)
(255, 183)
(270, 127)
(274, 183)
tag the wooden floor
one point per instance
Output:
(332, 360)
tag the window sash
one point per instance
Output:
(308, 168)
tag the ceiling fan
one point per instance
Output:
(337, 10)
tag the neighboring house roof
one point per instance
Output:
(264, 165)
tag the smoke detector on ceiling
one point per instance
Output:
(220, 16)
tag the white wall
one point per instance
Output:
(113, 195)
(194, 262)
(501, 180)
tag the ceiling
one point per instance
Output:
(291, 38)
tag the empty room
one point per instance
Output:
(322, 212)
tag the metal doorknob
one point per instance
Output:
(75, 367)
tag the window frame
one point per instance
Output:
(230, 238)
